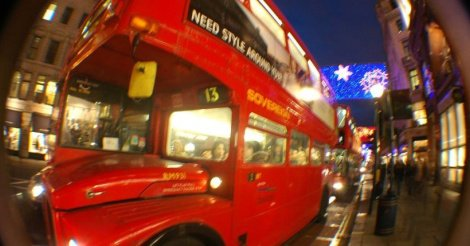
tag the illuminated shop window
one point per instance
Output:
(453, 143)
(50, 12)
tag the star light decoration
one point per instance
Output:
(371, 78)
(343, 73)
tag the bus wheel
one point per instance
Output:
(323, 213)
(182, 241)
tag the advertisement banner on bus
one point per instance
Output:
(251, 33)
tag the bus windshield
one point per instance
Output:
(99, 116)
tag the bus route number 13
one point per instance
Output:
(213, 94)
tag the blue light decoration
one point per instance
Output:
(353, 81)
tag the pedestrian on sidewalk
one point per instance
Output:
(410, 173)
(399, 172)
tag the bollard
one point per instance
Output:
(386, 214)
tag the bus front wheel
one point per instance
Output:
(182, 241)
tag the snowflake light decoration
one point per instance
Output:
(371, 78)
(343, 73)
(352, 88)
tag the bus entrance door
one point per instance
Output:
(261, 203)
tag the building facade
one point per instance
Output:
(411, 141)
(33, 89)
(439, 114)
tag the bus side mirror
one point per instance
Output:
(142, 79)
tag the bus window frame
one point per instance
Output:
(267, 162)
(230, 143)
(64, 87)
(309, 146)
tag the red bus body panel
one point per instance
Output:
(138, 202)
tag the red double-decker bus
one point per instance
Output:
(346, 154)
(188, 123)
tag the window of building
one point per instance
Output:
(66, 15)
(15, 85)
(24, 86)
(32, 52)
(50, 12)
(406, 47)
(39, 89)
(84, 16)
(453, 143)
(52, 52)
(299, 146)
(419, 113)
(51, 90)
(399, 24)
(414, 79)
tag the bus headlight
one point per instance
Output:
(338, 186)
(215, 182)
(36, 188)
(72, 242)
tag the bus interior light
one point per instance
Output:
(143, 25)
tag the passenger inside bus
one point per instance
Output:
(218, 151)
(251, 147)
(178, 148)
(277, 153)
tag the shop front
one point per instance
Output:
(12, 131)
(40, 128)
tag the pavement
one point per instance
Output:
(415, 221)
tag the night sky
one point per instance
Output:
(339, 32)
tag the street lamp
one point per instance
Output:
(387, 207)
(377, 91)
